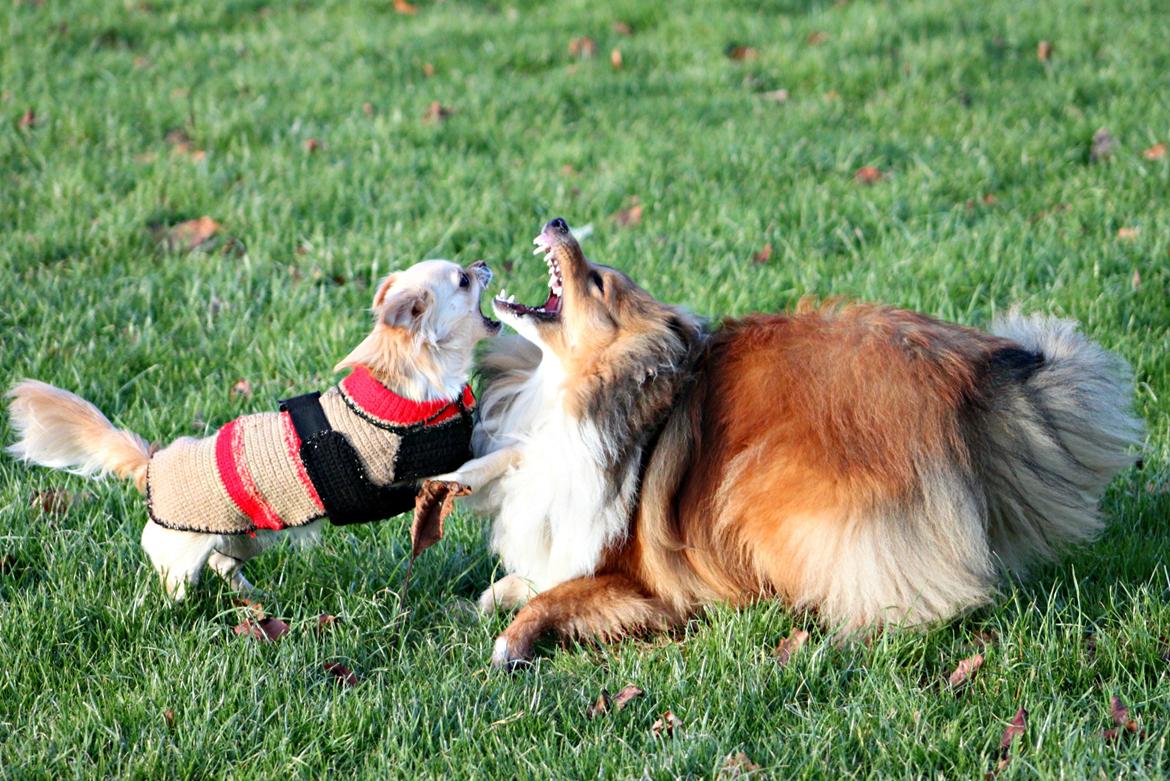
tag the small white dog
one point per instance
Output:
(353, 454)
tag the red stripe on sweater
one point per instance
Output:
(237, 480)
(378, 401)
(293, 442)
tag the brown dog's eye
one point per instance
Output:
(464, 280)
(595, 278)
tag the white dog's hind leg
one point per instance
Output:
(177, 556)
(231, 570)
(507, 593)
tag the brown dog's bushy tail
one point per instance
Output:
(1055, 440)
(64, 431)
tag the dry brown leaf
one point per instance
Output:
(181, 144)
(27, 120)
(1128, 233)
(428, 69)
(985, 639)
(626, 696)
(615, 58)
(265, 629)
(1014, 730)
(54, 501)
(1103, 146)
(816, 38)
(188, 235)
(775, 96)
(242, 388)
(1044, 51)
(666, 725)
(763, 255)
(737, 765)
(1156, 152)
(431, 507)
(169, 717)
(741, 53)
(325, 621)
(403, 7)
(867, 174)
(621, 28)
(788, 647)
(368, 108)
(1122, 723)
(437, 112)
(631, 215)
(600, 706)
(965, 671)
(312, 145)
(342, 675)
(583, 47)
(1136, 280)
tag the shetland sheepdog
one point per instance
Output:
(871, 465)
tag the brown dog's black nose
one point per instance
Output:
(558, 225)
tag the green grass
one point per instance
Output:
(946, 97)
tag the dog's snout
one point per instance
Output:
(557, 225)
(481, 271)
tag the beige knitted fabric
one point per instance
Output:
(185, 489)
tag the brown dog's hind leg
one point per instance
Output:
(601, 608)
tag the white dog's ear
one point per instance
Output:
(383, 288)
(405, 308)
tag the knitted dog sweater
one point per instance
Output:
(252, 473)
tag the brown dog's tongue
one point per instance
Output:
(431, 507)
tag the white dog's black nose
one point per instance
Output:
(481, 271)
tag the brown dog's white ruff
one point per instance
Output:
(870, 464)
(427, 321)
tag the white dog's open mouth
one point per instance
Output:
(556, 285)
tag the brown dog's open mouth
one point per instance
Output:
(546, 244)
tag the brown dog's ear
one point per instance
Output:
(404, 308)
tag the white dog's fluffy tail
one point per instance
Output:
(64, 431)
(1055, 439)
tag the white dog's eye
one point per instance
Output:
(464, 280)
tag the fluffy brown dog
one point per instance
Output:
(874, 465)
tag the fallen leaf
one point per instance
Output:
(342, 675)
(403, 7)
(265, 630)
(626, 696)
(1156, 152)
(428, 69)
(738, 764)
(437, 112)
(816, 38)
(54, 501)
(615, 58)
(188, 235)
(600, 706)
(666, 725)
(181, 144)
(631, 215)
(1014, 730)
(431, 507)
(775, 96)
(763, 255)
(1128, 233)
(867, 174)
(1136, 280)
(741, 53)
(1044, 51)
(169, 717)
(985, 639)
(368, 108)
(965, 671)
(583, 47)
(143, 63)
(1122, 723)
(326, 621)
(312, 145)
(254, 607)
(27, 120)
(621, 28)
(242, 388)
(788, 647)
(1103, 146)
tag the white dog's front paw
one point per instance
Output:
(507, 593)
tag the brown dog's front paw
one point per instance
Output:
(509, 655)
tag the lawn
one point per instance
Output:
(931, 154)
